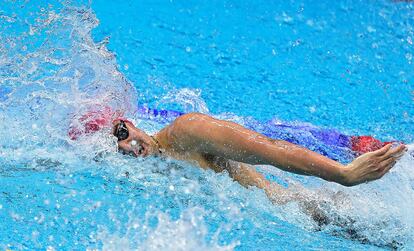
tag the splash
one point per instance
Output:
(52, 73)
(189, 99)
(188, 232)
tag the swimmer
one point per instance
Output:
(222, 145)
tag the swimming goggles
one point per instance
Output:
(121, 131)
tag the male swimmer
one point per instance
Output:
(223, 145)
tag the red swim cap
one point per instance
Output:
(92, 121)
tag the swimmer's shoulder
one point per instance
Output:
(190, 123)
(192, 116)
(184, 134)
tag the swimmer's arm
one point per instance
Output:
(247, 176)
(204, 134)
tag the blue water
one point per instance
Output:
(345, 65)
(335, 64)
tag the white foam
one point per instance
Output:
(189, 232)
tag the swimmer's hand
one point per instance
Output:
(373, 165)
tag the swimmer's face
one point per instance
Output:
(132, 140)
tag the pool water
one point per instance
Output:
(335, 64)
